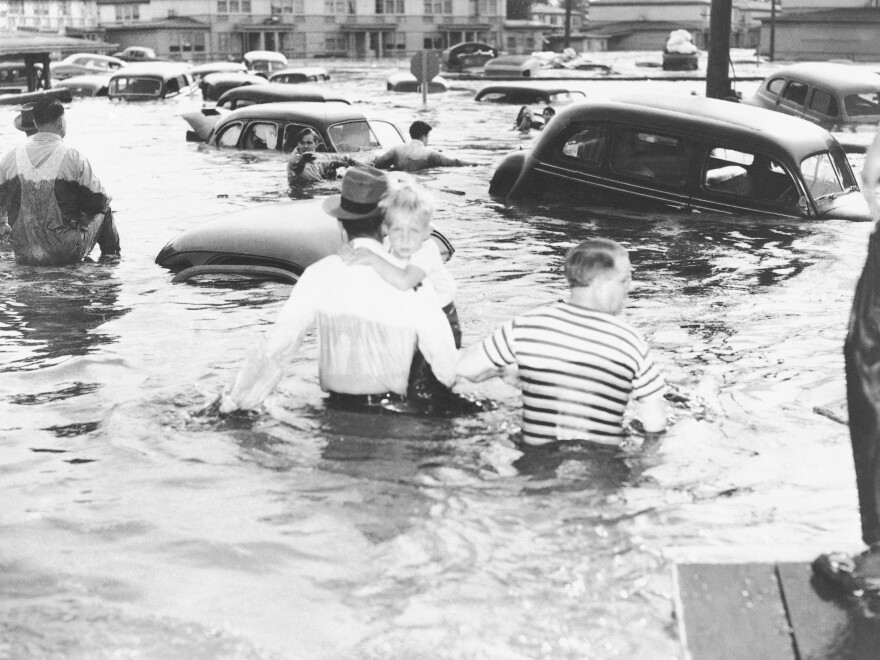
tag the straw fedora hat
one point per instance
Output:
(362, 188)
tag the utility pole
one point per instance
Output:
(772, 29)
(718, 66)
(568, 23)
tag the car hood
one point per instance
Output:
(848, 206)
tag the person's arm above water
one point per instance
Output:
(400, 278)
(489, 357)
(871, 176)
(264, 367)
(649, 386)
(436, 159)
(385, 161)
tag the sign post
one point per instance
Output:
(425, 65)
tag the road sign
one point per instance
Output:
(425, 65)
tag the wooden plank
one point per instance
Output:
(732, 612)
(827, 625)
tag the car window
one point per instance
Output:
(494, 97)
(821, 175)
(261, 135)
(172, 86)
(824, 103)
(663, 158)
(859, 105)
(795, 92)
(142, 86)
(229, 135)
(775, 86)
(587, 146)
(291, 137)
(386, 133)
(352, 136)
(561, 97)
(746, 174)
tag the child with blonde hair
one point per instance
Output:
(408, 209)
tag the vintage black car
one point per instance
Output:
(264, 62)
(81, 64)
(149, 81)
(86, 85)
(214, 85)
(276, 93)
(404, 81)
(272, 241)
(825, 93)
(275, 127)
(684, 153)
(527, 95)
(467, 55)
(515, 66)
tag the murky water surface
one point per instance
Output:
(131, 527)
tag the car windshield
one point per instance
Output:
(827, 175)
(862, 104)
(353, 136)
(139, 86)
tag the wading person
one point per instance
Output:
(415, 155)
(579, 363)
(56, 208)
(368, 330)
(862, 359)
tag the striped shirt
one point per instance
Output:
(578, 368)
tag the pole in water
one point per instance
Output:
(425, 81)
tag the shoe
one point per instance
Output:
(854, 574)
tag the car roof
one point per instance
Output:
(233, 76)
(222, 66)
(152, 69)
(488, 89)
(277, 92)
(300, 69)
(843, 77)
(727, 121)
(328, 113)
(86, 78)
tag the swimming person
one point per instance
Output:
(56, 208)
(415, 155)
(547, 113)
(580, 364)
(408, 209)
(861, 353)
(525, 122)
(368, 330)
(306, 165)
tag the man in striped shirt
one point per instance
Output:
(579, 363)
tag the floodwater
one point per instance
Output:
(131, 527)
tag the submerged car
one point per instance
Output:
(264, 62)
(467, 55)
(514, 66)
(404, 81)
(150, 81)
(272, 241)
(683, 153)
(137, 54)
(84, 63)
(301, 74)
(528, 95)
(88, 85)
(831, 95)
(276, 127)
(201, 70)
(214, 85)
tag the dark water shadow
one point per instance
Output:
(52, 312)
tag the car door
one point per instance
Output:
(822, 108)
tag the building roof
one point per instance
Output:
(19, 43)
(170, 23)
(842, 15)
(631, 27)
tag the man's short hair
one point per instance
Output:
(407, 197)
(47, 109)
(370, 227)
(591, 259)
(419, 129)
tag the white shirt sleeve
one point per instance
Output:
(435, 338)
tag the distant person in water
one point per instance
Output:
(55, 208)
(861, 572)
(309, 163)
(525, 121)
(580, 364)
(548, 113)
(415, 155)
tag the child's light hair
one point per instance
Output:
(406, 198)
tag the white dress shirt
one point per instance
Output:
(367, 333)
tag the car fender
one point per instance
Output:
(507, 174)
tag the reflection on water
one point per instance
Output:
(134, 525)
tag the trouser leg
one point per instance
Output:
(862, 358)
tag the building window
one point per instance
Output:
(246, 6)
(429, 7)
(447, 6)
(299, 7)
(330, 19)
(222, 6)
(233, 6)
(16, 7)
(127, 12)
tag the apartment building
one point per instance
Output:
(202, 30)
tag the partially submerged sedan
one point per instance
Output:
(682, 153)
(214, 85)
(86, 85)
(301, 74)
(527, 95)
(272, 241)
(152, 81)
(828, 94)
(276, 126)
